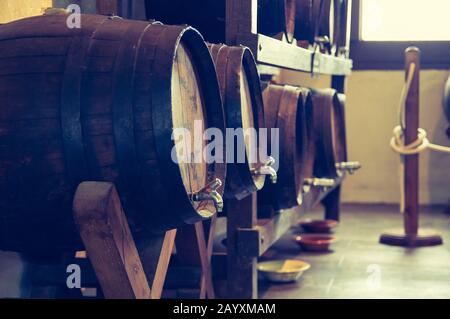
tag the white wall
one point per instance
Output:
(371, 115)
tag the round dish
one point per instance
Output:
(283, 271)
(318, 226)
(315, 242)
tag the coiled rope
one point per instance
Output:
(421, 144)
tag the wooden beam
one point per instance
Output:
(107, 237)
(241, 269)
(276, 53)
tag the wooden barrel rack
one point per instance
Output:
(221, 79)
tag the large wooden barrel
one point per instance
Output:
(244, 113)
(329, 130)
(329, 24)
(285, 109)
(101, 103)
(277, 16)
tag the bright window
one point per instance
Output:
(405, 20)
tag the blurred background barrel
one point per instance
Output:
(285, 109)
(277, 17)
(319, 21)
(243, 108)
(329, 130)
(307, 20)
(100, 103)
(344, 28)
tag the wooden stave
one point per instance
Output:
(68, 232)
(327, 155)
(290, 111)
(230, 62)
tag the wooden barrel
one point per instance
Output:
(329, 130)
(285, 109)
(329, 24)
(277, 16)
(344, 28)
(318, 21)
(244, 111)
(101, 103)
(306, 21)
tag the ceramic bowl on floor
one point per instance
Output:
(315, 242)
(283, 271)
(318, 226)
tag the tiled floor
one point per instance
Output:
(360, 267)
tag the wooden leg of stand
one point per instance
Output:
(155, 255)
(332, 204)
(198, 254)
(110, 246)
(241, 270)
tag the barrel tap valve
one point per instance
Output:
(209, 192)
(323, 183)
(267, 169)
(350, 167)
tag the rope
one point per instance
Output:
(421, 144)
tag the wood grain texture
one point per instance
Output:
(102, 97)
(105, 233)
(244, 113)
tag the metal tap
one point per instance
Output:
(209, 193)
(267, 169)
(350, 167)
(323, 183)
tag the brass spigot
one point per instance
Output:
(350, 167)
(210, 193)
(323, 183)
(267, 169)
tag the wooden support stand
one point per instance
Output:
(124, 268)
(411, 236)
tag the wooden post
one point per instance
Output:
(332, 202)
(411, 236)
(110, 246)
(241, 269)
(411, 176)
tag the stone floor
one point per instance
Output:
(360, 267)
